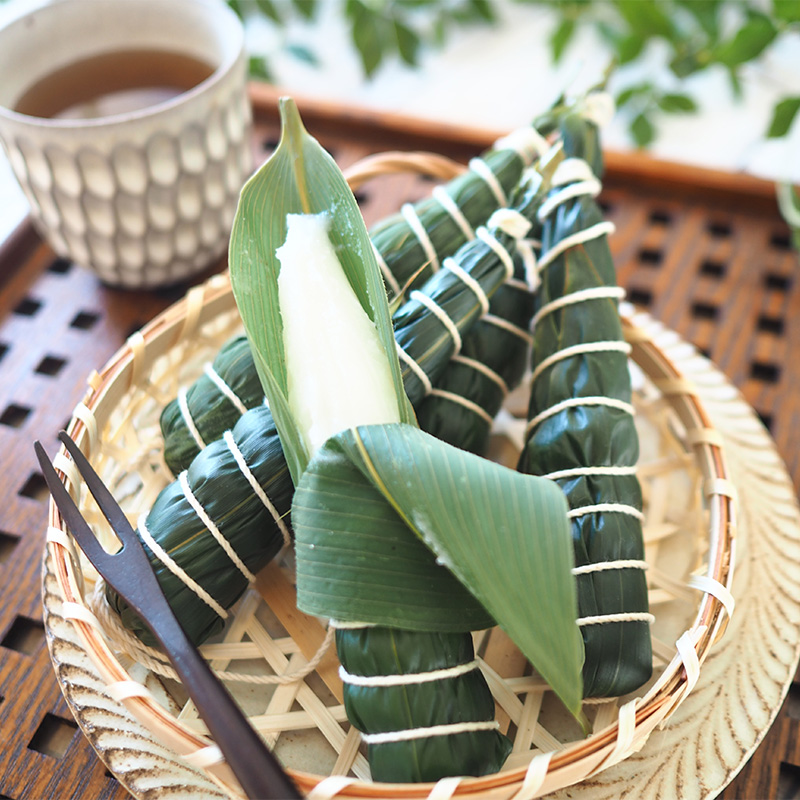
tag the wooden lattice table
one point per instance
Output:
(705, 253)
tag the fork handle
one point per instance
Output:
(254, 765)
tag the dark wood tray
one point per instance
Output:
(705, 252)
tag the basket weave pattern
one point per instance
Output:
(689, 536)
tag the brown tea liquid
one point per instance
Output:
(113, 83)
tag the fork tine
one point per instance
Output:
(66, 505)
(105, 500)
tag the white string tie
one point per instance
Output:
(388, 275)
(527, 142)
(177, 570)
(484, 171)
(579, 402)
(453, 266)
(209, 523)
(588, 188)
(427, 733)
(407, 679)
(501, 322)
(604, 228)
(577, 472)
(606, 508)
(441, 315)
(510, 221)
(479, 366)
(256, 486)
(451, 207)
(586, 348)
(422, 376)
(183, 405)
(581, 296)
(604, 566)
(464, 402)
(609, 619)
(500, 251)
(226, 390)
(410, 216)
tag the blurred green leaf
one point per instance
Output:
(786, 10)
(677, 103)
(236, 7)
(783, 116)
(561, 37)
(706, 12)
(259, 69)
(645, 17)
(407, 43)
(638, 90)
(483, 10)
(306, 8)
(267, 8)
(748, 43)
(642, 130)
(303, 53)
(366, 35)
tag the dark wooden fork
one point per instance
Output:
(130, 574)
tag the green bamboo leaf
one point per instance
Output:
(677, 103)
(786, 10)
(561, 37)
(358, 561)
(407, 43)
(783, 115)
(503, 534)
(748, 43)
(299, 178)
(642, 130)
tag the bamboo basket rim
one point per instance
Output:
(204, 303)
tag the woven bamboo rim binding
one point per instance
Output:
(545, 764)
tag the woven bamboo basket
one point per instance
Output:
(273, 658)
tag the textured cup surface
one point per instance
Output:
(145, 198)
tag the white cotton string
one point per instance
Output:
(526, 252)
(256, 487)
(349, 625)
(464, 402)
(572, 170)
(406, 679)
(579, 402)
(516, 283)
(470, 282)
(606, 508)
(484, 171)
(209, 523)
(388, 276)
(578, 350)
(410, 216)
(500, 251)
(604, 566)
(177, 570)
(451, 207)
(577, 472)
(527, 142)
(581, 296)
(604, 228)
(183, 405)
(427, 733)
(416, 369)
(226, 390)
(510, 222)
(479, 366)
(608, 619)
(501, 322)
(589, 187)
(441, 315)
